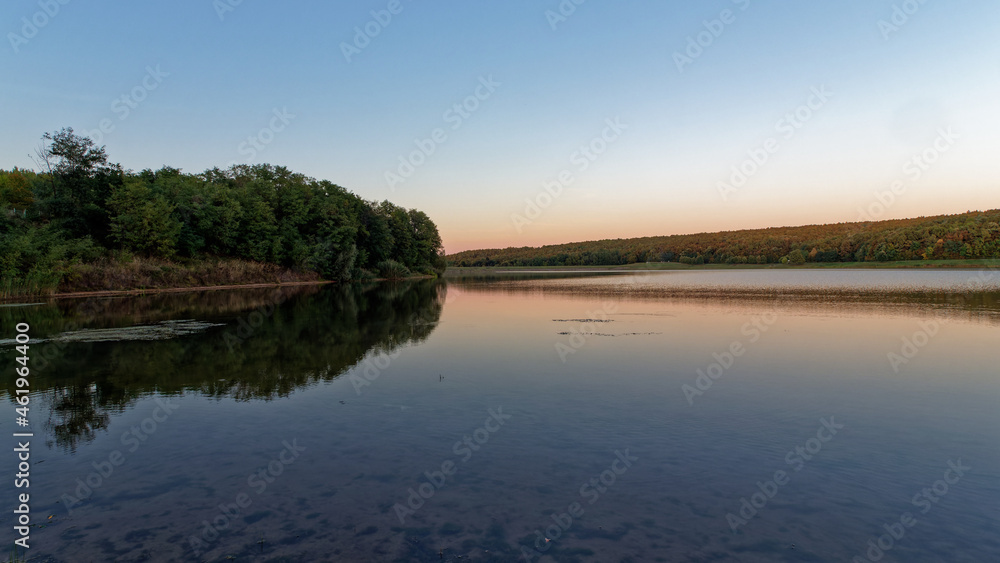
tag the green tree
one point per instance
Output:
(142, 221)
(15, 190)
(85, 180)
(375, 242)
(426, 239)
(81, 204)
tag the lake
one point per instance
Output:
(740, 416)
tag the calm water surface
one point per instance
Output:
(738, 416)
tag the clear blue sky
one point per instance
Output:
(220, 75)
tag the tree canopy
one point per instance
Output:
(80, 208)
(971, 235)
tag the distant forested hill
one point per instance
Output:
(84, 223)
(968, 235)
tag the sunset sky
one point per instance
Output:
(467, 110)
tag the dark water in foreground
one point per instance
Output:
(595, 418)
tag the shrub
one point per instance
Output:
(392, 270)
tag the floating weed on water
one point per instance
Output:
(164, 330)
(612, 335)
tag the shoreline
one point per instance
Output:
(459, 271)
(986, 264)
(157, 290)
(148, 291)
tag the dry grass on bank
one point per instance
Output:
(151, 273)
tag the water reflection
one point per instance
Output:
(951, 295)
(573, 401)
(256, 344)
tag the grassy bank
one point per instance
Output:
(151, 273)
(129, 274)
(121, 272)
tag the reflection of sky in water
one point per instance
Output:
(492, 349)
(777, 280)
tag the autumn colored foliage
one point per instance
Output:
(971, 235)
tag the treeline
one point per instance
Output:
(971, 235)
(80, 209)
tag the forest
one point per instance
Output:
(971, 235)
(83, 223)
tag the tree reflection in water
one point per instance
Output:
(260, 351)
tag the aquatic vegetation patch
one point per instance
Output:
(164, 330)
(612, 335)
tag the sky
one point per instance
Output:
(529, 122)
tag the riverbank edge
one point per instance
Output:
(157, 290)
(984, 264)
